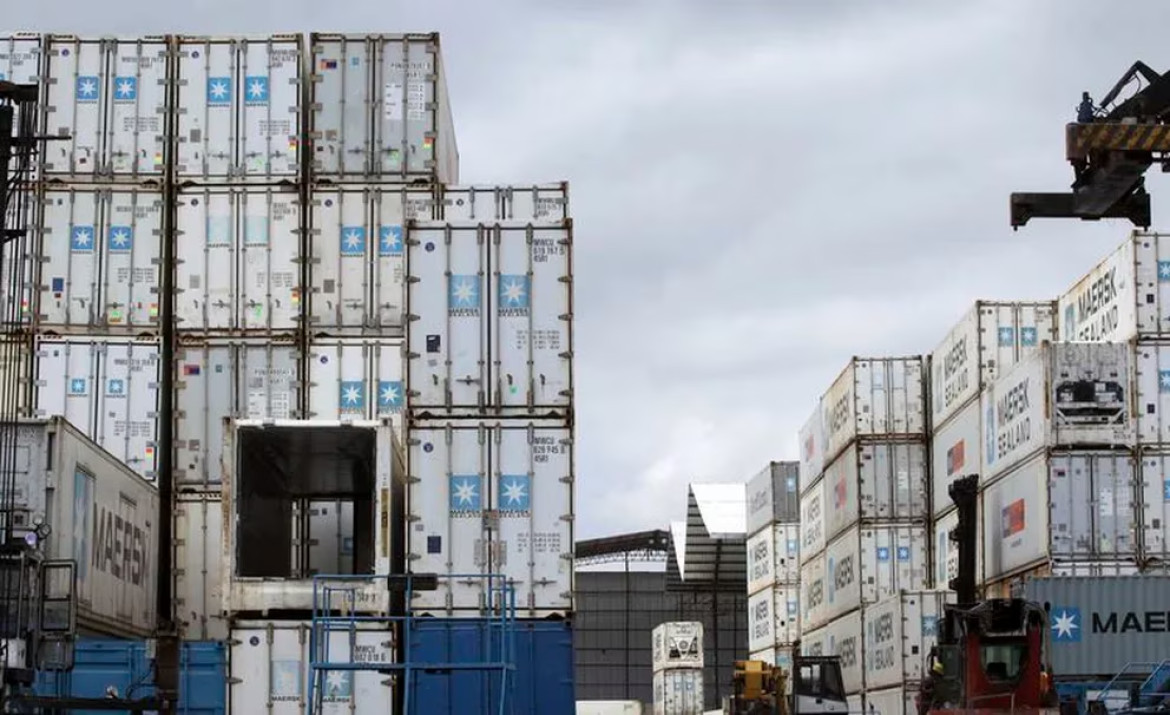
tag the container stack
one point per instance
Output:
(864, 508)
(773, 553)
(677, 659)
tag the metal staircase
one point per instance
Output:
(1148, 685)
(337, 623)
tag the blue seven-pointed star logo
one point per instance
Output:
(1066, 625)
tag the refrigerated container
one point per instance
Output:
(238, 260)
(1063, 395)
(862, 566)
(991, 337)
(956, 451)
(875, 397)
(379, 110)
(901, 700)
(222, 378)
(267, 532)
(1063, 506)
(678, 692)
(492, 496)
(843, 637)
(355, 378)
(16, 373)
(269, 668)
(812, 448)
(773, 617)
(102, 516)
(773, 556)
(110, 97)
(812, 522)
(491, 318)
(101, 248)
(541, 203)
(676, 644)
(238, 109)
(772, 496)
(1151, 363)
(21, 55)
(874, 482)
(198, 566)
(108, 389)
(1154, 497)
(900, 632)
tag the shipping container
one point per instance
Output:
(108, 389)
(991, 337)
(1013, 586)
(772, 496)
(812, 448)
(379, 110)
(1123, 297)
(862, 566)
(1100, 625)
(899, 633)
(110, 96)
(1154, 495)
(238, 108)
(268, 535)
(198, 566)
(228, 377)
(773, 556)
(543, 681)
(491, 318)
(101, 248)
(16, 373)
(492, 497)
(269, 666)
(21, 55)
(1062, 506)
(956, 451)
(875, 397)
(812, 522)
(843, 637)
(609, 707)
(773, 617)
(355, 378)
(1063, 395)
(874, 482)
(1152, 388)
(102, 516)
(541, 203)
(238, 256)
(946, 552)
(678, 692)
(677, 644)
(902, 700)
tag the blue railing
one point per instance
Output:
(1149, 692)
(335, 610)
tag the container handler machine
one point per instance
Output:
(814, 685)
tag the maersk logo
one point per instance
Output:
(1066, 625)
(1007, 336)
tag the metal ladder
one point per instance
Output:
(335, 611)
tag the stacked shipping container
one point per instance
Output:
(773, 553)
(677, 659)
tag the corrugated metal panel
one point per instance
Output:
(812, 447)
(678, 692)
(1154, 494)
(16, 371)
(1152, 390)
(772, 496)
(198, 564)
(843, 637)
(1101, 624)
(956, 450)
(379, 108)
(812, 522)
(773, 556)
(773, 617)
(355, 378)
(239, 108)
(101, 249)
(900, 632)
(875, 397)
(874, 482)
(239, 253)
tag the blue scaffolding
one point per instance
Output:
(335, 610)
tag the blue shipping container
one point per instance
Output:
(542, 683)
(103, 662)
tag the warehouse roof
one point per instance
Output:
(709, 551)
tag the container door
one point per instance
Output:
(199, 567)
(341, 109)
(75, 106)
(67, 375)
(392, 208)
(405, 120)
(269, 292)
(387, 357)
(269, 107)
(208, 85)
(70, 227)
(339, 380)
(205, 249)
(138, 107)
(128, 404)
(133, 245)
(343, 249)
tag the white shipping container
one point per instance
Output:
(1154, 485)
(378, 108)
(892, 701)
(16, 372)
(875, 397)
(542, 203)
(269, 663)
(1065, 506)
(883, 481)
(103, 517)
(100, 256)
(677, 644)
(678, 692)
(772, 496)
(1152, 387)
(521, 474)
(1064, 395)
(899, 632)
(956, 451)
(490, 317)
(21, 55)
(110, 97)
(198, 566)
(1123, 297)
(946, 552)
(108, 389)
(239, 108)
(812, 447)
(238, 255)
(812, 522)
(991, 337)
(862, 566)
(773, 617)
(355, 378)
(218, 379)
(773, 556)
(359, 461)
(843, 637)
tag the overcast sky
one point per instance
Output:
(760, 192)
